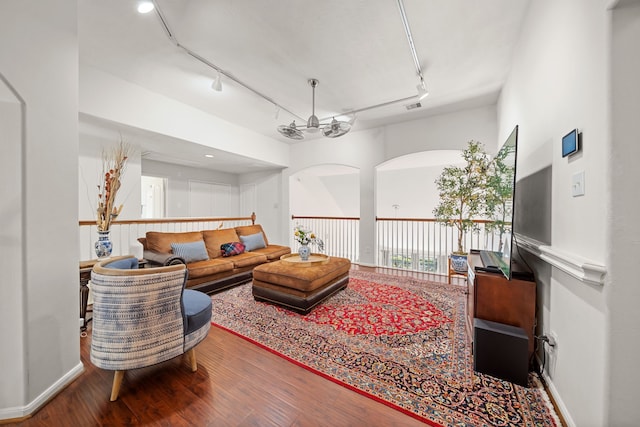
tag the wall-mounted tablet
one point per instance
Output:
(570, 143)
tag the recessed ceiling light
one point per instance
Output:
(209, 156)
(145, 6)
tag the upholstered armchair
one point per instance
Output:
(142, 317)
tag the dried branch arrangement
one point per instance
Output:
(113, 166)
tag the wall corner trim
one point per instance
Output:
(22, 412)
(582, 269)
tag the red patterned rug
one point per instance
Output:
(397, 340)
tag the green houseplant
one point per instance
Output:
(462, 191)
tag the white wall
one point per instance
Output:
(178, 178)
(413, 191)
(89, 176)
(268, 204)
(558, 81)
(108, 97)
(40, 350)
(326, 195)
(369, 148)
(624, 241)
(361, 150)
(450, 131)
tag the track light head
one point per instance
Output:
(145, 6)
(217, 84)
(422, 90)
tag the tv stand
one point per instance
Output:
(492, 297)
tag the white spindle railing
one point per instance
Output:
(124, 234)
(420, 244)
(423, 244)
(341, 235)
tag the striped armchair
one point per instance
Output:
(144, 316)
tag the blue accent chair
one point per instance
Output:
(144, 316)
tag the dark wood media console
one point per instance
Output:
(492, 297)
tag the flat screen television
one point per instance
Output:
(503, 182)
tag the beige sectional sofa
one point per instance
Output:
(210, 268)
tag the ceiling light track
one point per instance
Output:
(333, 129)
(208, 63)
(422, 88)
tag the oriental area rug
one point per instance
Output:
(397, 340)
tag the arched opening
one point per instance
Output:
(407, 236)
(326, 200)
(405, 185)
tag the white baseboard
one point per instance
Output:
(564, 412)
(18, 412)
(366, 264)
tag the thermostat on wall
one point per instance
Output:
(570, 143)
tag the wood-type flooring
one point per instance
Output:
(237, 384)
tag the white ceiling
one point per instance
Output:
(358, 50)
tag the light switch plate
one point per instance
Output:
(577, 184)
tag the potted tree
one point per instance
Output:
(462, 192)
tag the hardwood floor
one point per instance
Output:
(237, 384)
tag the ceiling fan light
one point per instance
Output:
(145, 6)
(313, 124)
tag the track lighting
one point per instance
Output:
(422, 90)
(145, 6)
(217, 83)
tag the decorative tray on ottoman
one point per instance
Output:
(314, 259)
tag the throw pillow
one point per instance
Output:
(233, 248)
(253, 241)
(190, 252)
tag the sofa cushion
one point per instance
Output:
(161, 241)
(246, 230)
(213, 239)
(232, 248)
(190, 252)
(209, 267)
(247, 259)
(253, 241)
(273, 252)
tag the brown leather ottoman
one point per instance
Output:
(299, 288)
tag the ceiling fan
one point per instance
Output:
(333, 129)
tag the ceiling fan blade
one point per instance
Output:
(290, 131)
(336, 128)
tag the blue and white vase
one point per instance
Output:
(103, 245)
(459, 262)
(304, 252)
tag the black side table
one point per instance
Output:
(85, 277)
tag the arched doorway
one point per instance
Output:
(326, 200)
(406, 235)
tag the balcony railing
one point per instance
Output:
(341, 235)
(420, 244)
(124, 234)
(423, 244)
